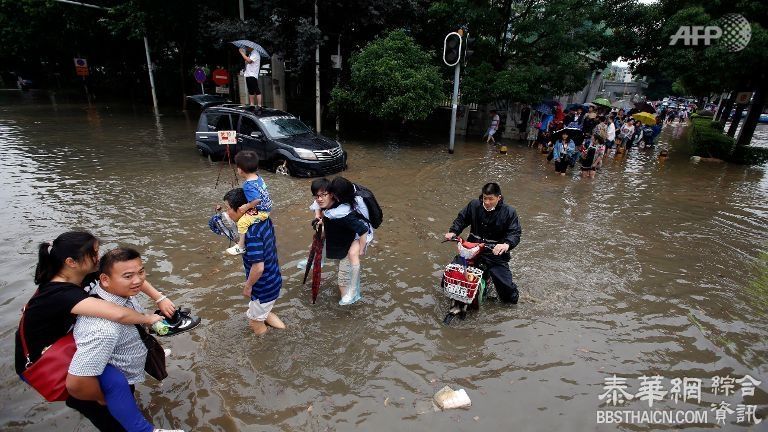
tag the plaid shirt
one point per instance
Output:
(101, 341)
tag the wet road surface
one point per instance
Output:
(653, 267)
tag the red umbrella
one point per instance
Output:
(314, 261)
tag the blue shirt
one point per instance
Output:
(260, 246)
(257, 189)
(560, 148)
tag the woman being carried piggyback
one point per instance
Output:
(347, 233)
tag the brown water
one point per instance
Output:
(649, 268)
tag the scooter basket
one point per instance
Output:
(461, 283)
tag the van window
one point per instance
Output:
(248, 125)
(215, 122)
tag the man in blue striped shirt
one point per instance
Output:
(262, 271)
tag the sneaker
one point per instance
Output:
(235, 250)
(168, 430)
(180, 321)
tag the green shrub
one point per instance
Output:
(707, 140)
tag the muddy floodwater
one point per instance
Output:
(655, 267)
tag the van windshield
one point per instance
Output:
(284, 126)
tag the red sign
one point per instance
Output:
(220, 77)
(81, 67)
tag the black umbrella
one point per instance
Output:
(645, 107)
(577, 135)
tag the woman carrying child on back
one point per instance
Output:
(346, 231)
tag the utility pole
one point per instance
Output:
(317, 77)
(242, 11)
(338, 74)
(151, 76)
(146, 48)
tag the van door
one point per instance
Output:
(207, 130)
(251, 137)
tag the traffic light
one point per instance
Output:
(469, 49)
(452, 48)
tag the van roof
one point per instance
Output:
(257, 112)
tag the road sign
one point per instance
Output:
(227, 137)
(222, 89)
(742, 98)
(220, 77)
(81, 67)
(200, 75)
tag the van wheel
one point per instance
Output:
(281, 167)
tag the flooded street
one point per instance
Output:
(650, 268)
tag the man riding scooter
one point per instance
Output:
(492, 221)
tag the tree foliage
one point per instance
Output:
(391, 78)
(700, 70)
(527, 50)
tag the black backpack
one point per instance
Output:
(374, 209)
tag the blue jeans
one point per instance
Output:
(120, 401)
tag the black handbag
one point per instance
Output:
(154, 366)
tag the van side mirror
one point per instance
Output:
(257, 135)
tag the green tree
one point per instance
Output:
(392, 78)
(527, 50)
(703, 69)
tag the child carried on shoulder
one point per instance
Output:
(259, 204)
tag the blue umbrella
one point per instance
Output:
(246, 43)
(543, 108)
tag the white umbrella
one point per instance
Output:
(246, 43)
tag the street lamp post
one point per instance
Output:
(317, 77)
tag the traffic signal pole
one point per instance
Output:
(452, 57)
(454, 105)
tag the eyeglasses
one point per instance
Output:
(321, 195)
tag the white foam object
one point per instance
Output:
(448, 398)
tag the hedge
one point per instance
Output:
(707, 140)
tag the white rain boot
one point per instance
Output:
(352, 293)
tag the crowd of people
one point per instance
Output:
(587, 134)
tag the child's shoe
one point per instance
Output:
(235, 250)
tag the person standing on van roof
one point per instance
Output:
(252, 66)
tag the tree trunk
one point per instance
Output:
(753, 116)
(182, 78)
(727, 109)
(736, 120)
(721, 105)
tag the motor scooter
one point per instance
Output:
(466, 281)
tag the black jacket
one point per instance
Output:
(340, 233)
(499, 226)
